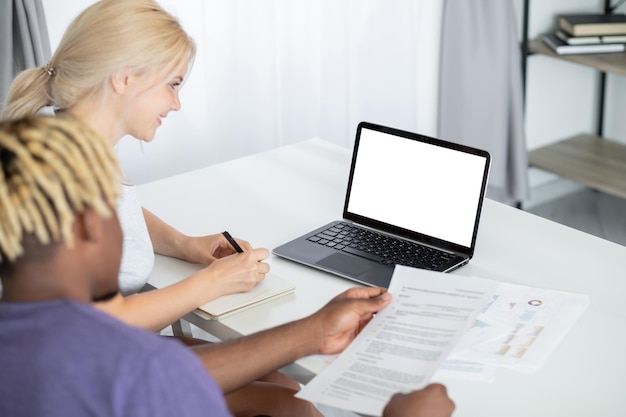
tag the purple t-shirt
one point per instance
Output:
(63, 358)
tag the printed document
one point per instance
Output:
(402, 346)
(520, 326)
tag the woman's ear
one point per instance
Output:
(120, 82)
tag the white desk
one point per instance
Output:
(274, 196)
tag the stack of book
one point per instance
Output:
(588, 34)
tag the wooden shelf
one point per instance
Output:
(594, 161)
(614, 63)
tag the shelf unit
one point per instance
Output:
(589, 159)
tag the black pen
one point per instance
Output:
(232, 242)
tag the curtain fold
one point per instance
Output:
(481, 100)
(24, 40)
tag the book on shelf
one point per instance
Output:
(595, 24)
(584, 40)
(562, 48)
(613, 38)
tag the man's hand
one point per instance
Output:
(431, 401)
(328, 331)
(339, 321)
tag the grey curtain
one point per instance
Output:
(24, 41)
(481, 90)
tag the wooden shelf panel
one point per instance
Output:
(593, 161)
(613, 63)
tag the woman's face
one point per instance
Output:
(151, 99)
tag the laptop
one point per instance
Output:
(411, 200)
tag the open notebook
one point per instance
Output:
(268, 289)
(169, 270)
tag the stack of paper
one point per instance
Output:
(484, 323)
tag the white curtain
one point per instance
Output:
(481, 101)
(274, 72)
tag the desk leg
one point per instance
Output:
(182, 328)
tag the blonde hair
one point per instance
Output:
(134, 35)
(50, 169)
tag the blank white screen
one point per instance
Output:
(417, 186)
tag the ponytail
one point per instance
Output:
(28, 94)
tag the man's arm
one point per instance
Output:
(328, 331)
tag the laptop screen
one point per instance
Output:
(418, 184)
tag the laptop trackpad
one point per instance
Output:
(345, 264)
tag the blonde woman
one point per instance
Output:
(118, 68)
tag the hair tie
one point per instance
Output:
(49, 70)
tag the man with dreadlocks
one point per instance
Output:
(60, 249)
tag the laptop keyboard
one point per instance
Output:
(381, 248)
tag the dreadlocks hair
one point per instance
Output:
(51, 168)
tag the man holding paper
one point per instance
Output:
(60, 249)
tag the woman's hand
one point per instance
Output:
(207, 249)
(203, 250)
(239, 272)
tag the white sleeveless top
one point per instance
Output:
(138, 253)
